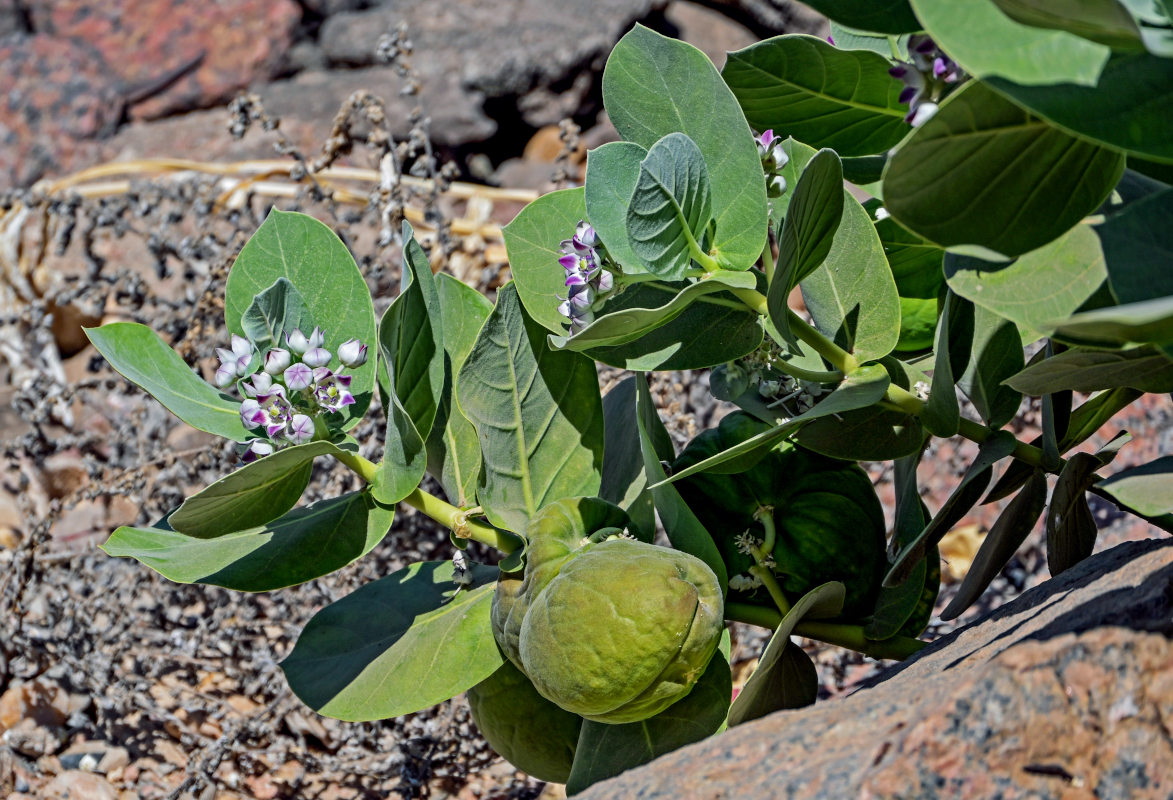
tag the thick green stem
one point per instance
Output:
(764, 574)
(754, 300)
(835, 355)
(446, 514)
(814, 376)
(848, 636)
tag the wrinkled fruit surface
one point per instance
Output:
(615, 631)
(828, 520)
(524, 728)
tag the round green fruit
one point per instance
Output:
(524, 728)
(614, 631)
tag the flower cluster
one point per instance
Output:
(292, 389)
(764, 369)
(774, 158)
(926, 79)
(588, 278)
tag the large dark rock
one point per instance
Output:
(483, 49)
(1065, 692)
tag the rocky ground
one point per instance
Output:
(113, 681)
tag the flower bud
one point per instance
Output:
(298, 377)
(252, 415)
(260, 384)
(301, 429)
(257, 448)
(276, 360)
(352, 353)
(776, 187)
(316, 357)
(296, 341)
(225, 375)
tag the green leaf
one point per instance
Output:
(846, 38)
(454, 452)
(1103, 21)
(915, 263)
(1061, 275)
(307, 253)
(861, 388)
(670, 207)
(785, 676)
(801, 86)
(538, 415)
(398, 645)
(605, 751)
(1150, 322)
(882, 16)
(533, 243)
(995, 356)
(986, 42)
(1071, 528)
(628, 323)
(685, 531)
(1090, 371)
(274, 312)
(896, 605)
(624, 480)
(612, 172)
(139, 355)
(1138, 248)
(984, 172)
(812, 218)
(703, 328)
(964, 496)
(942, 415)
(1007, 534)
(865, 434)
(411, 341)
(252, 495)
(1147, 489)
(1133, 99)
(853, 298)
(304, 544)
(654, 86)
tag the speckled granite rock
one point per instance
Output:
(55, 95)
(1066, 692)
(176, 54)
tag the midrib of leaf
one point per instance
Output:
(822, 95)
(527, 491)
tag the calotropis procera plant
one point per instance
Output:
(1016, 156)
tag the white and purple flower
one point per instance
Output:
(352, 353)
(331, 391)
(276, 360)
(587, 280)
(257, 448)
(301, 429)
(298, 376)
(926, 79)
(234, 362)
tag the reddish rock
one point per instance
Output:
(172, 55)
(1066, 691)
(55, 94)
(76, 785)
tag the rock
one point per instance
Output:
(12, 20)
(43, 703)
(539, 46)
(712, 32)
(1066, 691)
(57, 95)
(186, 55)
(76, 785)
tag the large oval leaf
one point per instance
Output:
(1104, 21)
(1138, 249)
(454, 452)
(984, 172)
(882, 16)
(307, 253)
(252, 495)
(801, 86)
(533, 242)
(140, 356)
(612, 172)
(1061, 276)
(986, 42)
(304, 544)
(654, 86)
(1133, 100)
(1147, 488)
(411, 343)
(625, 321)
(397, 645)
(670, 207)
(537, 412)
(1091, 371)
(852, 296)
